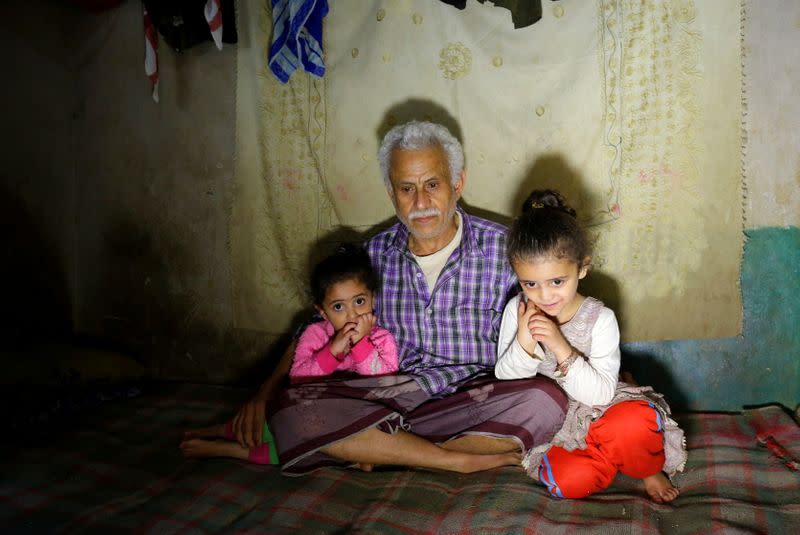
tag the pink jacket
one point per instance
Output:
(375, 354)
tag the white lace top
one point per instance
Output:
(593, 331)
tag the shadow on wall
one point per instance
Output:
(551, 171)
(134, 294)
(36, 298)
(147, 296)
(326, 245)
(418, 109)
(649, 371)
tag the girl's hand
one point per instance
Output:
(341, 344)
(544, 330)
(364, 325)
(525, 311)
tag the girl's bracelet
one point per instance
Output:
(563, 366)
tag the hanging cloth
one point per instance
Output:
(213, 14)
(150, 52)
(185, 23)
(297, 37)
(523, 12)
(182, 24)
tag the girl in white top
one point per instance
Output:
(551, 329)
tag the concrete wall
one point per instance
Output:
(758, 367)
(761, 365)
(116, 211)
(119, 203)
(37, 177)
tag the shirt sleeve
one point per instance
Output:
(593, 380)
(313, 357)
(362, 350)
(513, 362)
(377, 355)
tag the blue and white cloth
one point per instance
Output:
(297, 37)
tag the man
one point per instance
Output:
(444, 283)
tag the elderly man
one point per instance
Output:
(445, 282)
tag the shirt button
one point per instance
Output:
(419, 275)
(429, 311)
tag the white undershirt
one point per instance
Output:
(432, 264)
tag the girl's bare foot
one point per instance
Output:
(659, 488)
(214, 431)
(197, 447)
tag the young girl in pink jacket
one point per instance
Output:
(347, 340)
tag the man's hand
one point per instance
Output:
(544, 330)
(342, 340)
(364, 326)
(248, 424)
(525, 311)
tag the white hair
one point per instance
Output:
(417, 135)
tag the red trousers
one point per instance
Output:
(628, 438)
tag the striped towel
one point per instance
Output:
(151, 52)
(297, 37)
(213, 14)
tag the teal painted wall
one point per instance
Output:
(759, 367)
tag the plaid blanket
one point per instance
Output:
(118, 469)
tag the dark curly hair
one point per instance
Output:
(547, 228)
(348, 262)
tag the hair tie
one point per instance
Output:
(537, 204)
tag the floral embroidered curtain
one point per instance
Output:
(631, 108)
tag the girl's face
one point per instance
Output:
(345, 301)
(552, 285)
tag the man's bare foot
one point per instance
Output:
(214, 431)
(197, 447)
(659, 488)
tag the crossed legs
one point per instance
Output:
(373, 447)
(628, 438)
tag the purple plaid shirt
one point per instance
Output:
(448, 335)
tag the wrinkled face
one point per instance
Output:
(552, 285)
(345, 301)
(423, 195)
